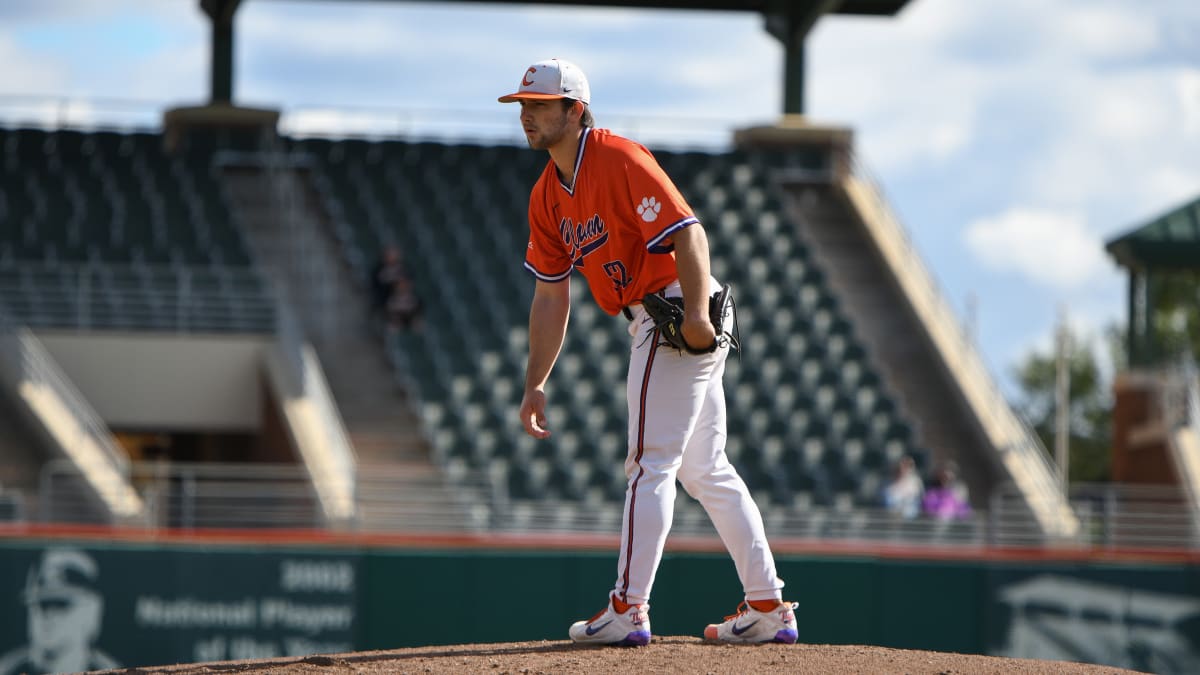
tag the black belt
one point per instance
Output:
(629, 313)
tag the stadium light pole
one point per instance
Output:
(220, 13)
(1062, 399)
(790, 23)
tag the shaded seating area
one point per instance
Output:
(106, 230)
(812, 429)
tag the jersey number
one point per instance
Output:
(616, 271)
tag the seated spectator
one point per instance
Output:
(403, 306)
(384, 276)
(902, 496)
(946, 499)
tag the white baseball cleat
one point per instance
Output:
(631, 629)
(749, 625)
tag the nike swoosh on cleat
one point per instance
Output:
(743, 629)
(592, 630)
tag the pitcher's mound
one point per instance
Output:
(663, 655)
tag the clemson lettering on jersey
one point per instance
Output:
(613, 222)
(582, 238)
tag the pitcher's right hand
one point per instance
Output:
(533, 413)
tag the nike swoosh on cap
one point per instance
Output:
(743, 629)
(592, 630)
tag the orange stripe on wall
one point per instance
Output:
(576, 542)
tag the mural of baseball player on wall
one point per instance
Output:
(1069, 619)
(65, 613)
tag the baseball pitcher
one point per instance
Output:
(603, 206)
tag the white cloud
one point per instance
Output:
(925, 89)
(1166, 187)
(1187, 87)
(310, 121)
(1115, 147)
(1124, 116)
(1050, 248)
(71, 11)
(1088, 109)
(116, 63)
(24, 73)
(315, 34)
(1106, 32)
(413, 56)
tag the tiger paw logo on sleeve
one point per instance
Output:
(649, 209)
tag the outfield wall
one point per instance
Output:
(174, 600)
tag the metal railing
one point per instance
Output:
(320, 433)
(1119, 516)
(493, 124)
(190, 496)
(25, 360)
(90, 296)
(12, 507)
(287, 243)
(66, 298)
(1177, 382)
(57, 112)
(1193, 401)
(1020, 448)
(307, 274)
(399, 499)
(1180, 403)
(32, 374)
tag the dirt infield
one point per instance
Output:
(663, 655)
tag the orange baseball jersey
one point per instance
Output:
(611, 225)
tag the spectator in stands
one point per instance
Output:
(902, 496)
(946, 499)
(403, 307)
(387, 271)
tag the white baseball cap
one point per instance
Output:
(549, 79)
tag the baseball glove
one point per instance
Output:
(667, 316)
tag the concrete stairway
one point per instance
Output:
(891, 331)
(373, 404)
(301, 258)
(21, 451)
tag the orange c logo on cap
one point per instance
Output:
(525, 81)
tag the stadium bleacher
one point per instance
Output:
(107, 230)
(810, 424)
(103, 229)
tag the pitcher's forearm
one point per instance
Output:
(548, 316)
(692, 265)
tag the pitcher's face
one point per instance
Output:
(545, 122)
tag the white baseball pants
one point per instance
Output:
(677, 431)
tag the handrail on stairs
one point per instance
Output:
(1021, 451)
(312, 413)
(29, 370)
(1181, 411)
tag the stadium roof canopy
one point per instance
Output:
(789, 21)
(876, 7)
(1171, 240)
(1166, 248)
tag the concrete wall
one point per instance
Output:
(184, 382)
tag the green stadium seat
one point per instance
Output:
(128, 210)
(806, 392)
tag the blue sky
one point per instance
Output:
(1012, 138)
